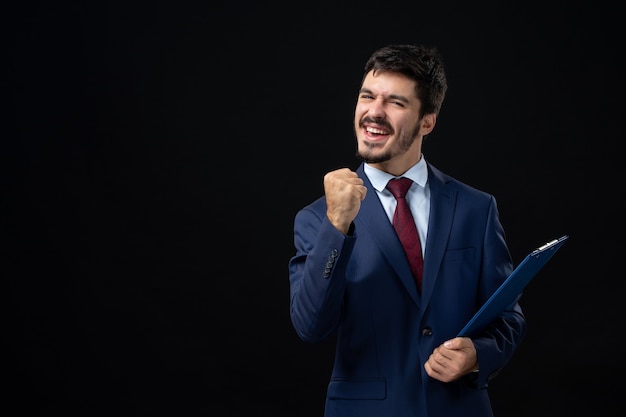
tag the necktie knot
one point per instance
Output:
(399, 186)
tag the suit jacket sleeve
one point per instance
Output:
(316, 273)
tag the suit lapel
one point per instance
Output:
(442, 203)
(384, 236)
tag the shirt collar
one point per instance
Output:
(379, 179)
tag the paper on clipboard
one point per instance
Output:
(512, 287)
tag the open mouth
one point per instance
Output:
(376, 132)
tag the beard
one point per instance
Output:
(403, 143)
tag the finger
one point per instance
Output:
(439, 358)
(457, 343)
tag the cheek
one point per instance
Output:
(359, 112)
(357, 119)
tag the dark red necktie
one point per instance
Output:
(404, 224)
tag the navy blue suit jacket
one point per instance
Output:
(359, 288)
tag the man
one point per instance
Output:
(397, 350)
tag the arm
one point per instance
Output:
(324, 239)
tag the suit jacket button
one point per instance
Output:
(427, 332)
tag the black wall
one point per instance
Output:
(154, 156)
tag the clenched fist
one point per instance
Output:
(344, 192)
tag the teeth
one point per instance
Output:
(377, 131)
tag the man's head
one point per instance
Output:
(400, 97)
(422, 64)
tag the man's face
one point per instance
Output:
(386, 118)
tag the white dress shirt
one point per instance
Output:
(418, 196)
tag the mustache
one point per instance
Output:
(377, 121)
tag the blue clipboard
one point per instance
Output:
(512, 287)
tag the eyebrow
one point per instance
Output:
(392, 96)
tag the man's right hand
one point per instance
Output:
(344, 192)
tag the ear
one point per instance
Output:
(428, 123)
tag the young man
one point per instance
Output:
(396, 317)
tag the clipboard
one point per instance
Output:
(512, 287)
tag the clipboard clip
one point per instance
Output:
(551, 243)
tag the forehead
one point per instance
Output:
(388, 83)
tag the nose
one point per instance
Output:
(377, 108)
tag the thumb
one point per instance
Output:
(453, 343)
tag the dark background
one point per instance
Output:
(154, 156)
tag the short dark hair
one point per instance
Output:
(420, 63)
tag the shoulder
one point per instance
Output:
(440, 181)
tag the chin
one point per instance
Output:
(373, 157)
